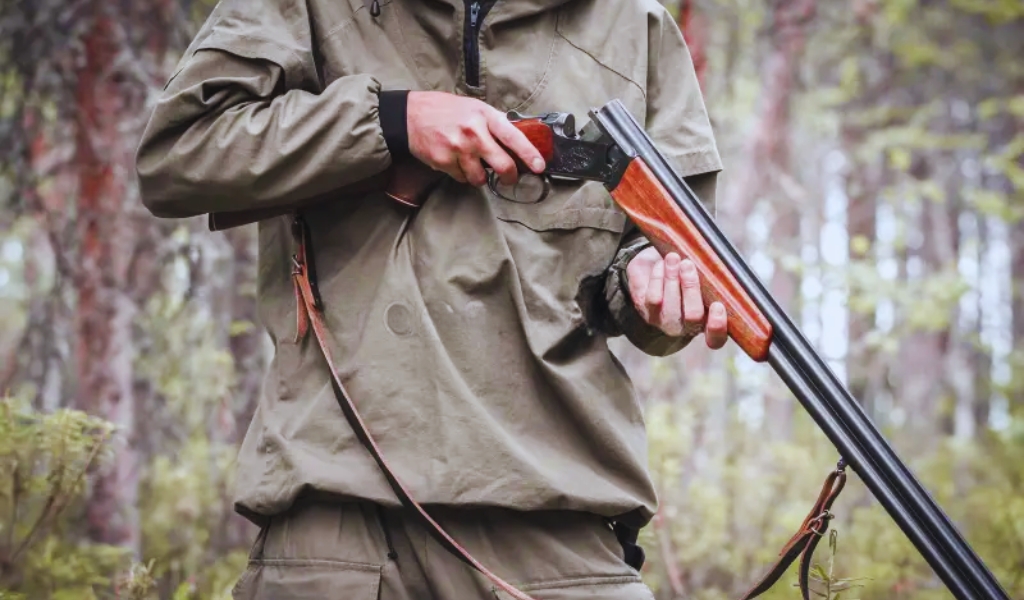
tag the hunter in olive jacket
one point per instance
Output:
(472, 332)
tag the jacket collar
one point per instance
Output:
(509, 10)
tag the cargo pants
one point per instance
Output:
(360, 551)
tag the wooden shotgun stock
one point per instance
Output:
(407, 181)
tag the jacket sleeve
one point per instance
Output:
(678, 123)
(245, 121)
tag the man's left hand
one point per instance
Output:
(666, 293)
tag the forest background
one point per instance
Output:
(874, 155)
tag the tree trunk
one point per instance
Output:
(770, 165)
(927, 398)
(861, 222)
(1016, 235)
(105, 310)
(247, 340)
(694, 27)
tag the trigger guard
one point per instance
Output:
(492, 184)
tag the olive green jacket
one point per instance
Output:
(472, 332)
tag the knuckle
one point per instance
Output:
(471, 127)
(505, 166)
(672, 329)
(456, 140)
(670, 322)
(493, 116)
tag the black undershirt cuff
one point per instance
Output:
(392, 112)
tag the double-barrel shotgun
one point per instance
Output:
(615, 150)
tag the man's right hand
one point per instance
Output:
(452, 134)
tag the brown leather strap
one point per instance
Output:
(806, 539)
(310, 308)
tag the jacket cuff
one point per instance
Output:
(627, 319)
(393, 113)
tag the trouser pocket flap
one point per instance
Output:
(309, 580)
(626, 587)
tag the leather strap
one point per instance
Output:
(802, 544)
(309, 313)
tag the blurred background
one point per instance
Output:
(874, 155)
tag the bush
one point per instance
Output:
(46, 461)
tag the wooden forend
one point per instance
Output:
(649, 205)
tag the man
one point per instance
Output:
(471, 332)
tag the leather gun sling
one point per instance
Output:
(309, 314)
(802, 544)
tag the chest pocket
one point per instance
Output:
(562, 246)
(567, 207)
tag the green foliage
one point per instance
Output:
(44, 463)
(189, 531)
(823, 580)
(729, 511)
(183, 499)
(998, 12)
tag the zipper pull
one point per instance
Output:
(474, 15)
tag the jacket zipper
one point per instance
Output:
(476, 10)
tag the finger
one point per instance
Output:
(716, 334)
(498, 159)
(472, 169)
(693, 303)
(655, 292)
(638, 275)
(455, 171)
(671, 317)
(516, 141)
